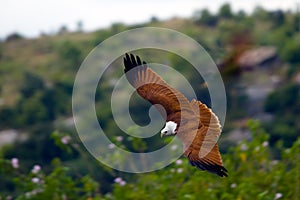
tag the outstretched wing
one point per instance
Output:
(204, 152)
(207, 117)
(153, 88)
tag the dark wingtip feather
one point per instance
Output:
(139, 62)
(131, 61)
(213, 168)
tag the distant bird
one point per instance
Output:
(191, 116)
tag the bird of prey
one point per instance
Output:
(183, 117)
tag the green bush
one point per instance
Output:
(291, 52)
(225, 11)
(31, 84)
(284, 105)
(70, 55)
(204, 17)
(253, 174)
(58, 184)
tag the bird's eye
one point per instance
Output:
(165, 131)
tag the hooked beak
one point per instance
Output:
(163, 133)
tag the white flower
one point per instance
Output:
(36, 169)
(118, 180)
(111, 146)
(33, 193)
(257, 148)
(233, 185)
(179, 170)
(15, 163)
(244, 147)
(174, 147)
(119, 138)
(274, 162)
(178, 162)
(65, 140)
(287, 150)
(122, 183)
(28, 195)
(9, 197)
(278, 196)
(35, 180)
(265, 143)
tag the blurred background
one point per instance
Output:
(255, 44)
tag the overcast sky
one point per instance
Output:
(31, 17)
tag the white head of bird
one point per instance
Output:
(169, 129)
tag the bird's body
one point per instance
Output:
(192, 122)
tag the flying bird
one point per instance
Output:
(196, 126)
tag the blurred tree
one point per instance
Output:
(291, 51)
(117, 28)
(204, 17)
(61, 94)
(284, 104)
(101, 35)
(7, 116)
(31, 111)
(70, 55)
(13, 36)
(296, 19)
(1, 50)
(283, 99)
(31, 84)
(241, 15)
(154, 19)
(225, 11)
(260, 13)
(62, 30)
(38, 103)
(79, 26)
(278, 18)
(48, 100)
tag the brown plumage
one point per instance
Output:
(196, 125)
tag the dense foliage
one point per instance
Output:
(253, 173)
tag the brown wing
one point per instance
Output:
(204, 152)
(153, 88)
(207, 117)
